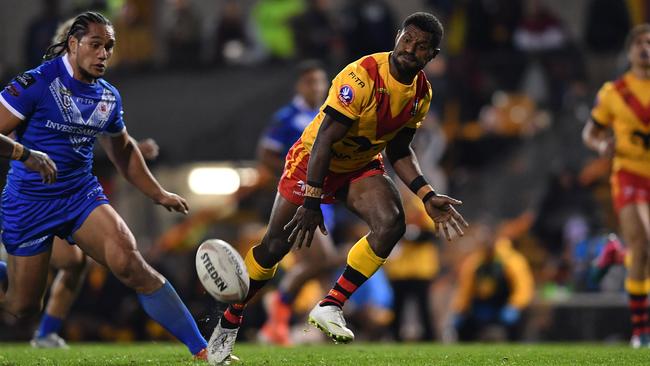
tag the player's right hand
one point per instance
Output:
(303, 225)
(41, 163)
(442, 211)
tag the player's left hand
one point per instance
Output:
(303, 225)
(442, 211)
(173, 202)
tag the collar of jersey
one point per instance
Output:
(75, 84)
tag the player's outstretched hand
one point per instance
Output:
(441, 209)
(303, 225)
(173, 202)
(41, 163)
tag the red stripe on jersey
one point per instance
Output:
(641, 112)
(386, 123)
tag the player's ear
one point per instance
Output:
(399, 32)
(73, 42)
(434, 53)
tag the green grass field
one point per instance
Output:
(358, 355)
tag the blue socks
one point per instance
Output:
(49, 324)
(165, 307)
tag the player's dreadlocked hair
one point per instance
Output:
(428, 23)
(78, 29)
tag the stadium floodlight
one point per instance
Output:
(213, 180)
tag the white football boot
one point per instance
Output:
(51, 340)
(220, 346)
(329, 319)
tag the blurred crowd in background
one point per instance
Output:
(513, 87)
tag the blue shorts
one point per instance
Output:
(29, 226)
(328, 217)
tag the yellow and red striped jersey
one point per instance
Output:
(375, 105)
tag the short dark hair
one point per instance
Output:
(635, 32)
(428, 23)
(78, 29)
(309, 65)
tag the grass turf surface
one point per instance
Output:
(358, 354)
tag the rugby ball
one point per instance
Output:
(222, 271)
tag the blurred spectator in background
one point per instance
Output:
(40, 32)
(272, 22)
(183, 35)
(411, 268)
(134, 21)
(544, 39)
(495, 286)
(606, 26)
(231, 38)
(370, 27)
(315, 34)
(490, 29)
(565, 198)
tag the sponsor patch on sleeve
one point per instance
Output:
(346, 94)
(25, 80)
(11, 89)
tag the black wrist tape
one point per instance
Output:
(428, 196)
(417, 183)
(25, 154)
(312, 203)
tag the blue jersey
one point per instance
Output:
(61, 117)
(287, 125)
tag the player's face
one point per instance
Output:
(639, 53)
(413, 49)
(312, 86)
(93, 51)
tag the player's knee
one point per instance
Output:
(79, 264)
(127, 266)
(390, 227)
(275, 250)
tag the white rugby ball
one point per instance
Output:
(222, 271)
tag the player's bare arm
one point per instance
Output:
(309, 216)
(598, 138)
(124, 153)
(439, 207)
(33, 160)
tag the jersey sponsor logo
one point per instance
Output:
(341, 155)
(72, 116)
(25, 80)
(362, 143)
(357, 79)
(11, 89)
(31, 243)
(346, 94)
(301, 188)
